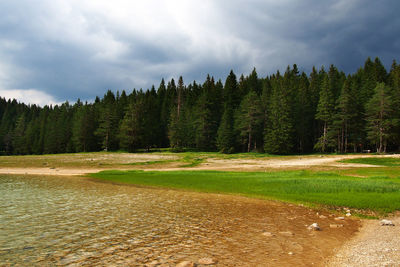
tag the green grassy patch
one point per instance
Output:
(314, 188)
(145, 163)
(390, 162)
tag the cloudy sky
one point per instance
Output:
(57, 50)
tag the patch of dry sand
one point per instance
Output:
(210, 164)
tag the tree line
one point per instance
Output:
(325, 111)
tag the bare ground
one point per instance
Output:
(79, 164)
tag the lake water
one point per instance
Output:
(47, 221)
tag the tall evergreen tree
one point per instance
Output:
(226, 134)
(279, 128)
(325, 111)
(379, 117)
(249, 121)
(108, 122)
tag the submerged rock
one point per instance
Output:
(185, 264)
(314, 227)
(385, 222)
(268, 234)
(339, 218)
(206, 261)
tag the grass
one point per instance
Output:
(314, 188)
(389, 162)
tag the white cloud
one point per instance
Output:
(80, 48)
(29, 96)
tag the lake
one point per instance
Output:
(46, 221)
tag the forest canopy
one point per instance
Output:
(289, 113)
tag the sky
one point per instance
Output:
(57, 50)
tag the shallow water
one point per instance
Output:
(47, 221)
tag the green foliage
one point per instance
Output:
(379, 117)
(279, 128)
(293, 113)
(295, 186)
(249, 121)
(390, 162)
(226, 139)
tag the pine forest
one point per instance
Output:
(326, 111)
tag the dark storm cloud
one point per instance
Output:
(71, 49)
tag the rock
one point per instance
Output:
(339, 218)
(387, 223)
(322, 217)
(348, 214)
(335, 225)
(268, 234)
(185, 264)
(290, 253)
(206, 261)
(314, 227)
(287, 233)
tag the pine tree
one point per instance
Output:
(83, 128)
(226, 135)
(279, 128)
(325, 112)
(394, 80)
(304, 115)
(379, 117)
(108, 122)
(344, 116)
(249, 120)
(132, 128)
(19, 141)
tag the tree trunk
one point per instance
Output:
(249, 142)
(324, 139)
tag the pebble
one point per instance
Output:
(185, 264)
(387, 223)
(322, 217)
(339, 218)
(335, 225)
(268, 234)
(348, 214)
(206, 261)
(314, 227)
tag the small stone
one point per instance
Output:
(348, 214)
(322, 217)
(339, 218)
(268, 234)
(314, 227)
(290, 253)
(206, 261)
(287, 233)
(185, 264)
(335, 225)
(385, 222)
